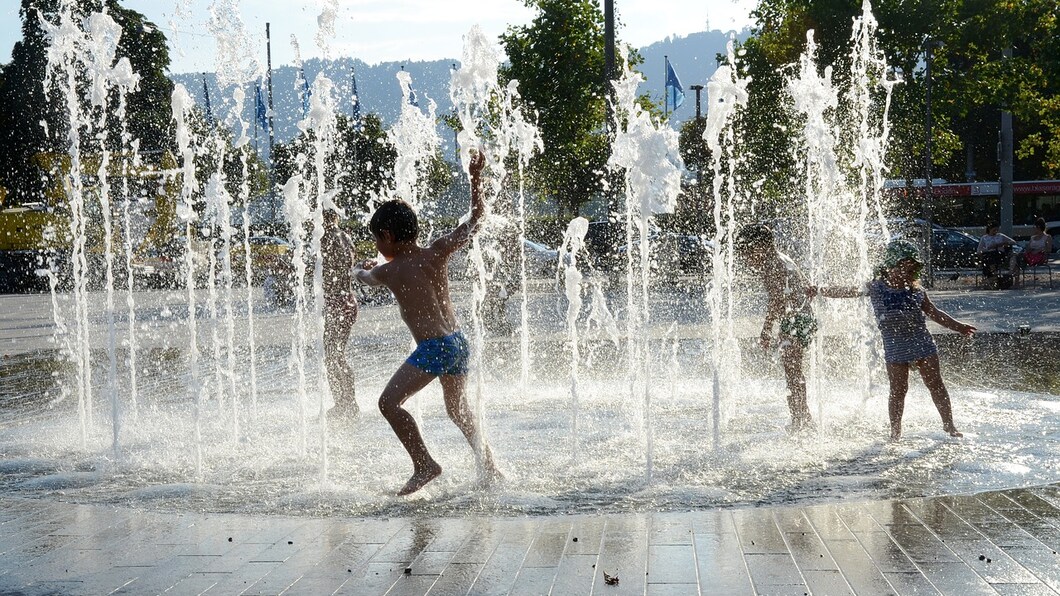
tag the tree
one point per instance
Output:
(972, 80)
(33, 120)
(367, 159)
(975, 80)
(559, 62)
(360, 165)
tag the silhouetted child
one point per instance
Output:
(900, 306)
(789, 303)
(418, 277)
(340, 313)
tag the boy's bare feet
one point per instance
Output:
(952, 430)
(492, 476)
(420, 479)
(896, 435)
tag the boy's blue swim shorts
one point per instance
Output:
(438, 356)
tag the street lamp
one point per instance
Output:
(456, 133)
(929, 46)
(699, 166)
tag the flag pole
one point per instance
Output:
(666, 90)
(268, 59)
(272, 134)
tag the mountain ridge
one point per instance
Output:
(693, 57)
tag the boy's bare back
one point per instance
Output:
(419, 275)
(420, 283)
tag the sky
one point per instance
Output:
(383, 30)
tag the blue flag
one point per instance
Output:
(356, 103)
(260, 111)
(306, 94)
(675, 93)
(412, 97)
(206, 96)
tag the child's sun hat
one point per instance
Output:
(901, 250)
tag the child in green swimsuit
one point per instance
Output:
(789, 303)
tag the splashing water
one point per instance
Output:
(573, 242)
(645, 152)
(640, 385)
(726, 94)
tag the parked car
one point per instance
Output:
(1053, 229)
(603, 242)
(540, 259)
(267, 254)
(953, 249)
(672, 255)
(160, 267)
(950, 248)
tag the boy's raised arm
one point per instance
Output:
(463, 233)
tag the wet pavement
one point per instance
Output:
(27, 324)
(1002, 542)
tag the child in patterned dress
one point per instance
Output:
(900, 306)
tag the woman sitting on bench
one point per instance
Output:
(994, 249)
(1039, 247)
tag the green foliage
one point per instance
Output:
(558, 60)
(976, 80)
(360, 166)
(693, 149)
(971, 80)
(34, 120)
(367, 159)
(219, 142)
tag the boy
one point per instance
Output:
(418, 277)
(340, 313)
(789, 302)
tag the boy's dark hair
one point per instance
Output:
(398, 218)
(755, 235)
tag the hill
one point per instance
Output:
(693, 57)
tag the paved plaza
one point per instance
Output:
(1001, 542)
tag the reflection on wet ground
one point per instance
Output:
(1002, 542)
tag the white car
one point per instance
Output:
(540, 259)
(1053, 229)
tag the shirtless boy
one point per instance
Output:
(418, 277)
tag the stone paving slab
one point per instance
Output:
(1001, 542)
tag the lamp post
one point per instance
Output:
(1005, 171)
(699, 167)
(456, 133)
(929, 46)
(700, 203)
(609, 52)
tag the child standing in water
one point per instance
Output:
(788, 302)
(900, 306)
(418, 277)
